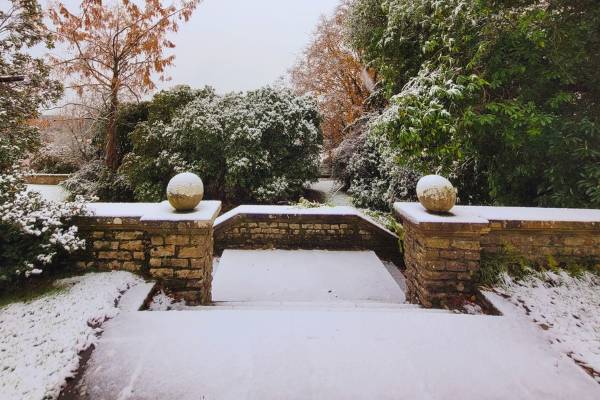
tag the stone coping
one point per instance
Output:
(206, 211)
(417, 214)
(546, 217)
(296, 211)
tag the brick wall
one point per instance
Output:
(150, 239)
(442, 252)
(46, 179)
(542, 241)
(284, 227)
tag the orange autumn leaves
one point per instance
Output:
(332, 72)
(116, 49)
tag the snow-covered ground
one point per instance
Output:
(50, 192)
(40, 341)
(567, 309)
(330, 189)
(293, 349)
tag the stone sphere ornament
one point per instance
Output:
(185, 191)
(436, 193)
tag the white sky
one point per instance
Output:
(237, 45)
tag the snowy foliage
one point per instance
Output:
(94, 179)
(54, 159)
(367, 165)
(22, 27)
(500, 97)
(33, 231)
(259, 146)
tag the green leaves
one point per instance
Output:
(502, 96)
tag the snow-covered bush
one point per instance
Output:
(95, 179)
(53, 159)
(258, 146)
(354, 139)
(376, 179)
(34, 233)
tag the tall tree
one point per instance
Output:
(116, 50)
(25, 85)
(332, 72)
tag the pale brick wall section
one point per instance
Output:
(150, 239)
(46, 179)
(442, 253)
(285, 227)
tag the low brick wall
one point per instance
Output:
(442, 253)
(288, 227)
(152, 240)
(46, 179)
(545, 241)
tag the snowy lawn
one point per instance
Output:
(40, 341)
(566, 308)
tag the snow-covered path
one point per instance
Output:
(49, 192)
(354, 349)
(331, 191)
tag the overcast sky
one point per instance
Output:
(242, 44)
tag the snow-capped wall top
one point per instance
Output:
(206, 211)
(484, 214)
(287, 210)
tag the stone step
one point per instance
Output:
(301, 305)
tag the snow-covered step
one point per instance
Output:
(300, 305)
(304, 276)
(322, 354)
(133, 299)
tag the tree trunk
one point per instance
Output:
(112, 153)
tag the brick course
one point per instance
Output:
(303, 230)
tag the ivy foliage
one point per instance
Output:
(502, 96)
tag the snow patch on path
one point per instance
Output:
(566, 308)
(40, 341)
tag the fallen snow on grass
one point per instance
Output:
(40, 341)
(566, 308)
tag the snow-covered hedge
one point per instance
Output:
(258, 146)
(33, 231)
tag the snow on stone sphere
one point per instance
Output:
(436, 193)
(185, 191)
